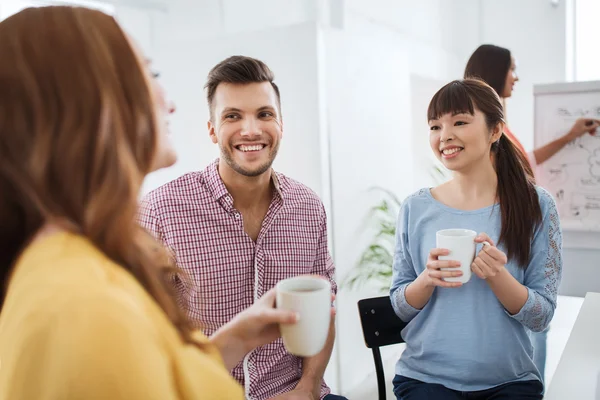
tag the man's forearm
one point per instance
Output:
(313, 368)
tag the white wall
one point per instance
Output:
(367, 75)
(586, 32)
(9, 7)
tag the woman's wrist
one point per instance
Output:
(231, 346)
(423, 282)
(418, 292)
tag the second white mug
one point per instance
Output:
(462, 246)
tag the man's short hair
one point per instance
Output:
(238, 70)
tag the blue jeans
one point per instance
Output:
(334, 397)
(412, 389)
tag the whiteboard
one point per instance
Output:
(573, 174)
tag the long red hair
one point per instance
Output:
(77, 138)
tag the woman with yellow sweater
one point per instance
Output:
(87, 307)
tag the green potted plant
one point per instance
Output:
(374, 266)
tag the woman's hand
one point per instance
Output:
(418, 292)
(490, 264)
(255, 326)
(582, 126)
(490, 261)
(433, 274)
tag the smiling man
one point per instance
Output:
(238, 227)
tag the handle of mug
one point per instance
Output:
(485, 243)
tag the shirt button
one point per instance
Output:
(237, 216)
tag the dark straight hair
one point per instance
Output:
(489, 63)
(519, 203)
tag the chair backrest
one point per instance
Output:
(380, 324)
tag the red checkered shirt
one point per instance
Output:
(195, 218)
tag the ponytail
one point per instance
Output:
(519, 203)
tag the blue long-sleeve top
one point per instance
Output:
(463, 338)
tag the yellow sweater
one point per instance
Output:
(75, 325)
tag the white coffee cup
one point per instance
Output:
(461, 244)
(310, 297)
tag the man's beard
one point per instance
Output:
(228, 157)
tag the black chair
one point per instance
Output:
(381, 327)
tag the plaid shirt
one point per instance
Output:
(195, 218)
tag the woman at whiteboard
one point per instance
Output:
(496, 66)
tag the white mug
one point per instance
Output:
(461, 244)
(310, 297)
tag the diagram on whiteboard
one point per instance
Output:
(573, 174)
